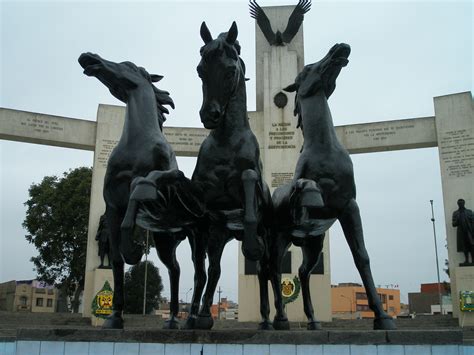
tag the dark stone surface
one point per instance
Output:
(246, 336)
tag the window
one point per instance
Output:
(361, 296)
(391, 309)
(23, 300)
(390, 297)
(49, 302)
(362, 307)
(383, 298)
(39, 302)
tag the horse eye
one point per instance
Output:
(230, 74)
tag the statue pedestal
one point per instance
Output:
(464, 277)
(99, 278)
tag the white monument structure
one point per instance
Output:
(451, 130)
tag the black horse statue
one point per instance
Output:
(322, 191)
(143, 185)
(228, 168)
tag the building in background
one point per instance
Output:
(28, 296)
(427, 300)
(349, 301)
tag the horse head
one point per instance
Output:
(123, 78)
(322, 74)
(221, 71)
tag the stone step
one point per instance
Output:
(27, 320)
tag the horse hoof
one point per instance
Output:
(385, 323)
(204, 322)
(265, 325)
(191, 323)
(171, 324)
(114, 321)
(281, 324)
(315, 325)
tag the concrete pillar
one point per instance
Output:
(109, 129)
(280, 143)
(455, 131)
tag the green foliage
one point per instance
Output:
(134, 285)
(57, 221)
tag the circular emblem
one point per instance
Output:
(290, 289)
(280, 99)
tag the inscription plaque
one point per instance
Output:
(457, 152)
(281, 136)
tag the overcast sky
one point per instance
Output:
(403, 54)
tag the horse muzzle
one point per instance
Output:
(210, 118)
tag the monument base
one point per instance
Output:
(145, 341)
(100, 277)
(464, 276)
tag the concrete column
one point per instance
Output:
(109, 129)
(455, 131)
(280, 143)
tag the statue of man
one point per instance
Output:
(103, 238)
(463, 219)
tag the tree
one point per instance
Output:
(134, 285)
(57, 222)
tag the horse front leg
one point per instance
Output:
(263, 274)
(115, 320)
(198, 252)
(252, 245)
(311, 253)
(216, 244)
(166, 248)
(352, 227)
(278, 252)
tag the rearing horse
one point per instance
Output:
(142, 182)
(322, 190)
(228, 166)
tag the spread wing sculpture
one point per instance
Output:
(294, 22)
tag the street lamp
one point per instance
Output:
(350, 300)
(437, 262)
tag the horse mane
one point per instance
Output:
(162, 98)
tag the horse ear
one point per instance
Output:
(155, 78)
(291, 88)
(232, 34)
(205, 33)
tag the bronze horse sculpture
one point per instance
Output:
(322, 191)
(228, 167)
(143, 185)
